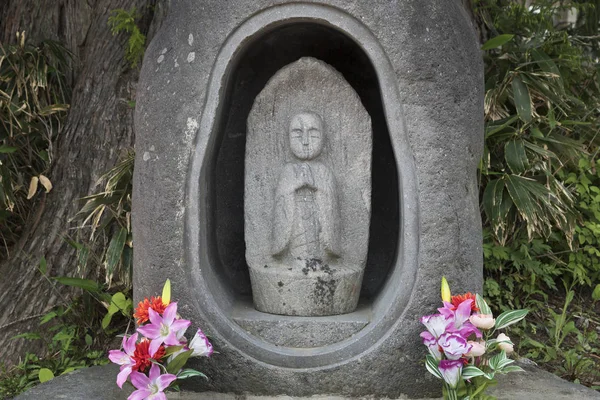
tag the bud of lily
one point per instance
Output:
(477, 349)
(200, 345)
(482, 321)
(166, 293)
(507, 347)
(446, 295)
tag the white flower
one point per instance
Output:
(477, 349)
(482, 321)
(504, 343)
(200, 345)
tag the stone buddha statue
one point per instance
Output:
(307, 192)
(306, 213)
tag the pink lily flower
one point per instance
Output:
(436, 324)
(454, 345)
(460, 314)
(432, 345)
(451, 370)
(150, 387)
(124, 359)
(460, 318)
(165, 329)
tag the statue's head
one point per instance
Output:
(306, 135)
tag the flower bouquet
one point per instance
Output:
(464, 349)
(156, 361)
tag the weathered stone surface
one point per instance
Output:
(94, 383)
(97, 383)
(302, 332)
(417, 69)
(307, 192)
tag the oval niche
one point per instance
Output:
(216, 246)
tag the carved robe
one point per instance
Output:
(306, 213)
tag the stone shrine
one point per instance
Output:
(343, 133)
(306, 217)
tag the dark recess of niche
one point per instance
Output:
(259, 62)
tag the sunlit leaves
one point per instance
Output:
(497, 41)
(521, 99)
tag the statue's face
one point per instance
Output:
(306, 136)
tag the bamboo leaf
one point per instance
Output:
(188, 373)
(514, 154)
(33, 185)
(497, 41)
(46, 183)
(510, 317)
(432, 366)
(471, 371)
(85, 284)
(115, 248)
(482, 305)
(547, 64)
(43, 266)
(521, 98)
(511, 368)
(7, 149)
(178, 362)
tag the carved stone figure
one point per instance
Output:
(306, 214)
(307, 195)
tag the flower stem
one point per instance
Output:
(450, 393)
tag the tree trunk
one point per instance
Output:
(98, 128)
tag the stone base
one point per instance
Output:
(300, 332)
(98, 383)
(309, 288)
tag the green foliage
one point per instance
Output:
(80, 335)
(540, 182)
(104, 239)
(33, 104)
(126, 21)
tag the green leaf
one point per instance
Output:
(172, 350)
(178, 362)
(521, 98)
(497, 359)
(188, 373)
(27, 335)
(497, 41)
(510, 317)
(537, 205)
(106, 320)
(7, 149)
(45, 375)
(88, 339)
(85, 284)
(115, 248)
(121, 301)
(547, 65)
(432, 366)
(596, 293)
(512, 368)
(43, 266)
(471, 371)
(482, 305)
(514, 154)
(49, 316)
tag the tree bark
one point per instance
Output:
(98, 128)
